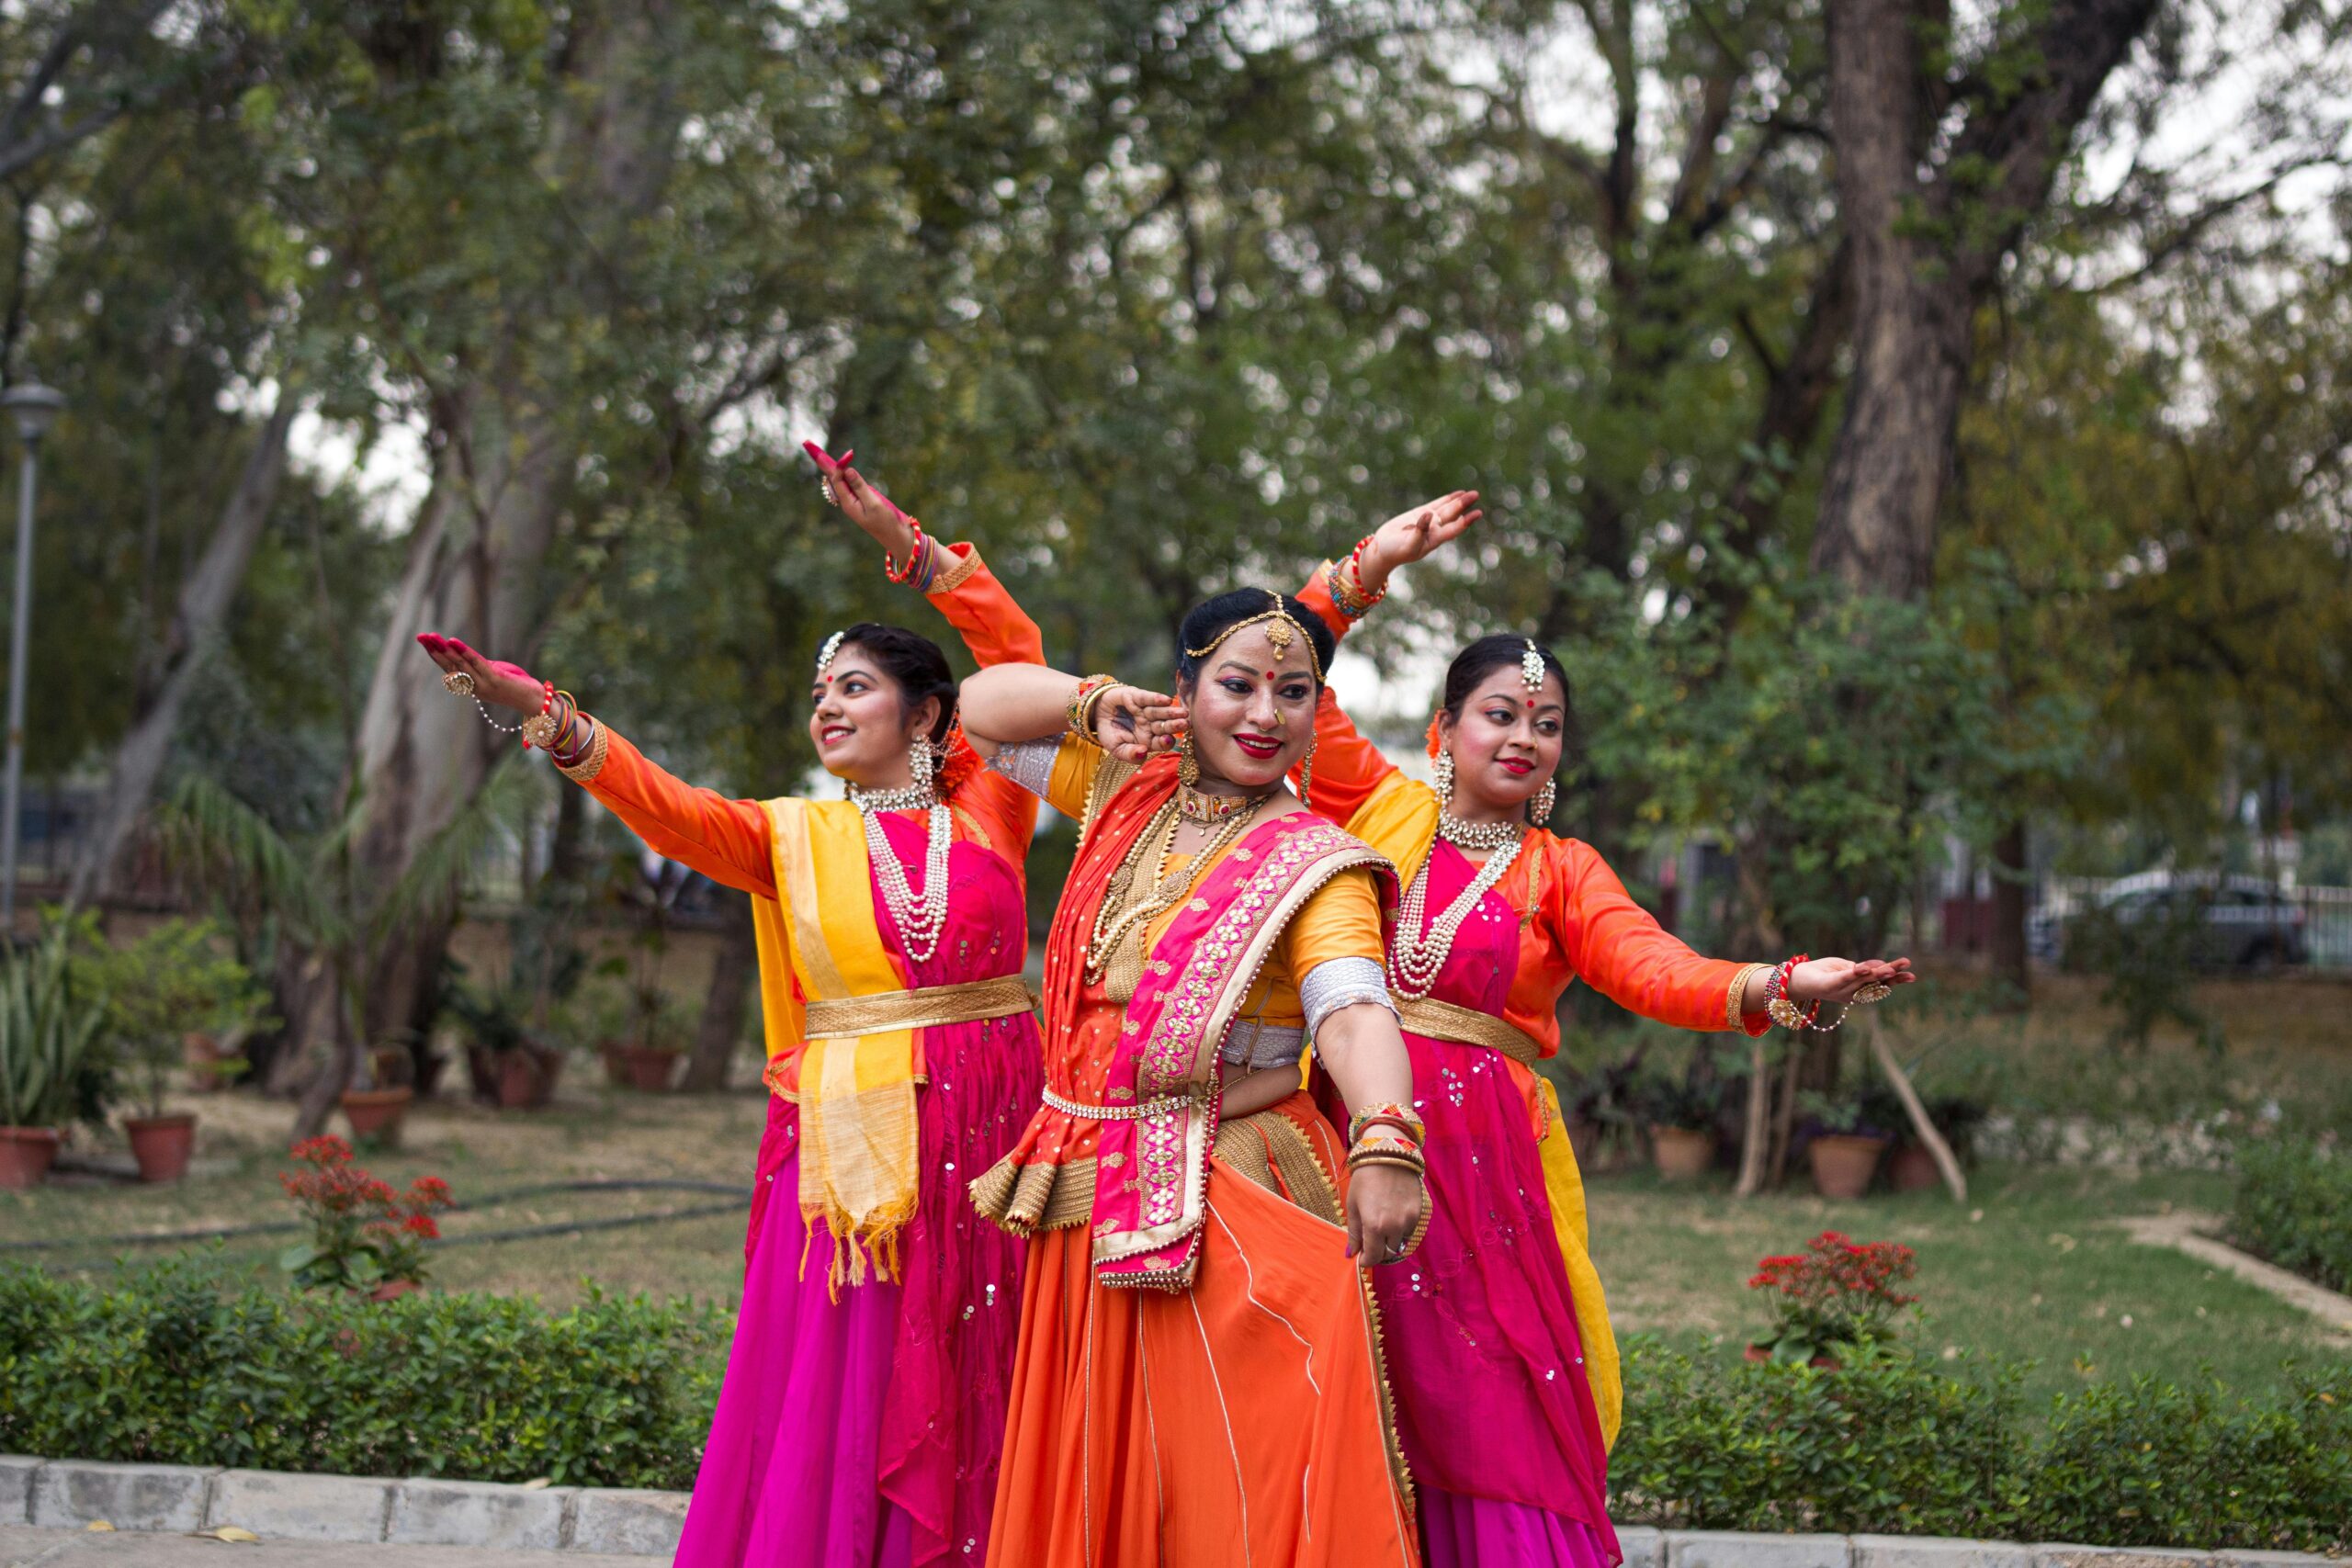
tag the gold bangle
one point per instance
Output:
(1085, 700)
(585, 770)
(1735, 1015)
(1359, 1160)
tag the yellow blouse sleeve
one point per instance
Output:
(1340, 921)
(1076, 762)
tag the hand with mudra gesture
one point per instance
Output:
(900, 536)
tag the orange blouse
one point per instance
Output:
(727, 840)
(1577, 922)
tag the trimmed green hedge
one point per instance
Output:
(165, 1364)
(2294, 1207)
(1891, 1444)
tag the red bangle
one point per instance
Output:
(1777, 1007)
(914, 554)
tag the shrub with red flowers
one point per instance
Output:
(363, 1234)
(1837, 1293)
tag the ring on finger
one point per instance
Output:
(457, 683)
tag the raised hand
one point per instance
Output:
(1412, 536)
(495, 680)
(864, 505)
(1131, 723)
(1836, 980)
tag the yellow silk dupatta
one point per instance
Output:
(858, 1148)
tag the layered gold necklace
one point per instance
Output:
(1114, 951)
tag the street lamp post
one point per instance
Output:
(36, 409)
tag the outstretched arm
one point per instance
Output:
(725, 840)
(1618, 948)
(995, 629)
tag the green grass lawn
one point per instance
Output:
(2030, 1269)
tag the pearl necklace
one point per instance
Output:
(1421, 950)
(920, 920)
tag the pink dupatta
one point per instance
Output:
(1152, 1168)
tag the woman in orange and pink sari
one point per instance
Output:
(1503, 1363)
(862, 1415)
(1199, 1383)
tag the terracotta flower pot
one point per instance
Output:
(1682, 1153)
(393, 1289)
(162, 1145)
(649, 1069)
(207, 1063)
(26, 1155)
(614, 1054)
(1913, 1169)
(1762, 1353)
(1843, 1163)
(519, 1081)
(376, 1113)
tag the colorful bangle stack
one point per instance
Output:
(542, 728)
(922, 561)
(1344, 579)
(1785, 1012)
(1085, 700)
(1390, 1114)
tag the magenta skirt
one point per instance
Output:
(865, 1432)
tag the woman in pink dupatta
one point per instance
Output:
(862, 1416)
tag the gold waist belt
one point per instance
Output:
(1119, 1113)
(1467, 1026)
(845, 1018)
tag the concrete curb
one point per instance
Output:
(417, 1511)
(428, 1511)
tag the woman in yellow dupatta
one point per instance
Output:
(1199, 1382)
(1504, 1365)
(862, 1412)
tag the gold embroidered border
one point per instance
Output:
(846, 1018)
(1398, 1471)
(1025, 1199)
(1467, 1026)
(1270, 1146)
(955, 575)
(585, 770)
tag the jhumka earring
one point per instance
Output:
(1188, 766)
(1307, 772)
(1443, 771)
(1539, 810)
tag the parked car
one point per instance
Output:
(2243, 923)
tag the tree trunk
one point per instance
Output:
(1929, 215)
(1876, 532)
(2010, 888)
(722, 1008)
(163, 683)
(499, 491)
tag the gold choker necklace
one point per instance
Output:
(1195, 806)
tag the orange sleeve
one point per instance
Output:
(1619, 949)
(1316, 596)
(1348, 767)
(725, 840)
(995, 629)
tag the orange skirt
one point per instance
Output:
(1243, 1421)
